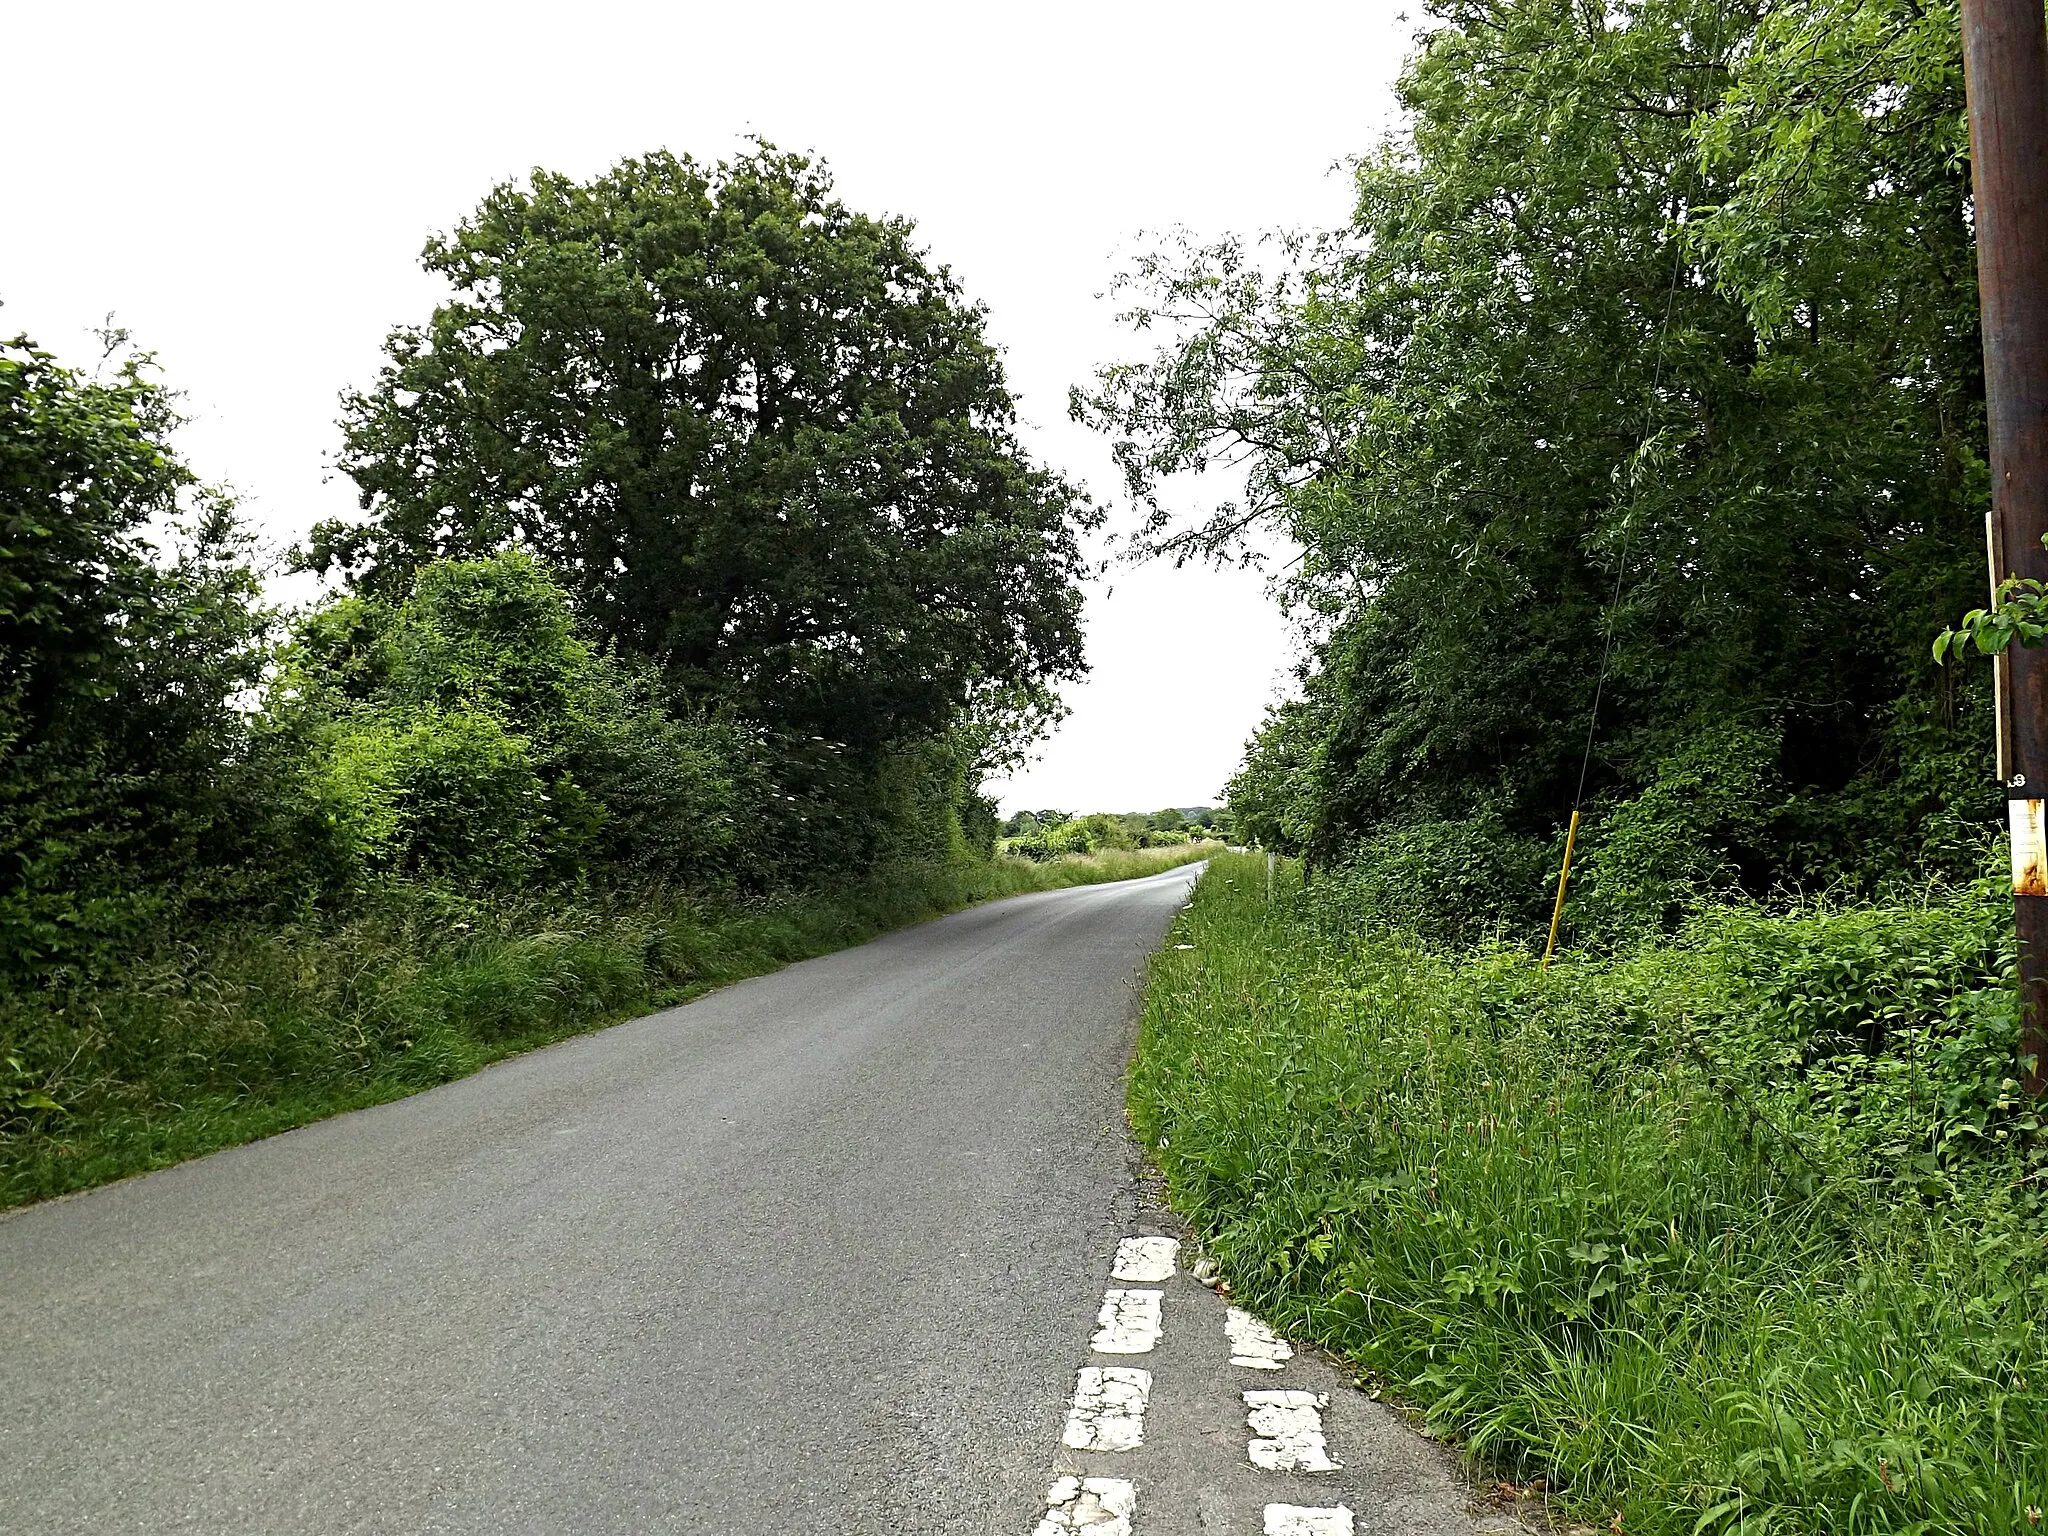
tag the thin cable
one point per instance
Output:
(1629, 525)
(1628, 545)
(1629, 528)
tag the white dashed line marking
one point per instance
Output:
(1101, 1506)
(1109, 1409)
(1288, 1431)
(1145, 1258)
(1129, 1323)
(1299, 1520)
(1252, 1343)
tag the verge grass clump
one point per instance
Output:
(1736, 1232)
(262, 1027)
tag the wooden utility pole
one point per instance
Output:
(2005, 59)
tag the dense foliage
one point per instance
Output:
(166, 763)
(1737, 1231)
(1647, 372)
(1631, 437)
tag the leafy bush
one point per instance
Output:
(1885, 1034)
(470, 733)
(672, 788)
(1448, 880)
(1699, 829)
(448, 795)
(1276, 796)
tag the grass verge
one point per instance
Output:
(1739, 1232)
(261, 1029)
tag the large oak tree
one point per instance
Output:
(766, 443)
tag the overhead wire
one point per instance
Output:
(1629, 529)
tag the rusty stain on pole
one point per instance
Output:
(2005, 60)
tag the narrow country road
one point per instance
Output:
(820, 1252)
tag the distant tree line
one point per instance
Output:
(696, 547)
(1054, 834)
(1647, 371)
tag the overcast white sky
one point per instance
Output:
(247, 189)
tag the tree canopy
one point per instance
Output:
(1648, 356)
(763, 441)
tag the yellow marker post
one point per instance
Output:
(1557, 912)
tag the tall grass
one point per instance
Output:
(1626, 1226)
(257, 1029)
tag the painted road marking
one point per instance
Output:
(1129, 1323)
(1102, 1506)
(1109, 1409)
(1145, 1258)
(1288, 1431)
(1300, 1520)
(1252, 1343)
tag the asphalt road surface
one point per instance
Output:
(821, 1252)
